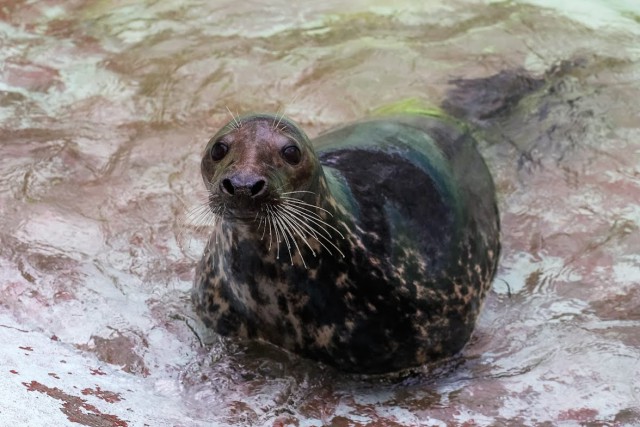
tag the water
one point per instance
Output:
(105, 107)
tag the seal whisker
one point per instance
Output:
(298, 191)
(276, 232)
(300, 231)
(283, 128)
(316, 230)
(303, 203)
(314, 225)
(302, 227)
(288, 229)
(237, 124)
(263, 223)
(199, 218)
(312, 216)
(280, 225)
(219, 215)
(305, 218)
(285, 234)
(286, 193)
(305, 207)
(295, 226)
(202, 216)
(270, 234)
(280, 113)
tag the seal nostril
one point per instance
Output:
(228, 186)
(257, 188)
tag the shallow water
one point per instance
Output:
(105, 107)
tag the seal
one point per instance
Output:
(370, 249)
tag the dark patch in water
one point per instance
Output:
(489, 97)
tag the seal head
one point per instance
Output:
(252, 161)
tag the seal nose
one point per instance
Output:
(244, 186)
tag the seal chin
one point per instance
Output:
(242, 214)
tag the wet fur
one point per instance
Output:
(410, 205)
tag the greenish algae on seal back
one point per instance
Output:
(370, 249)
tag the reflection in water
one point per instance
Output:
(105, 107)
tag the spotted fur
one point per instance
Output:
(412, 211)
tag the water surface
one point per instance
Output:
(105, 107)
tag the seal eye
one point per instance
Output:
(292, 154)
(218, 151)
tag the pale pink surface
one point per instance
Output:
(105, 108)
